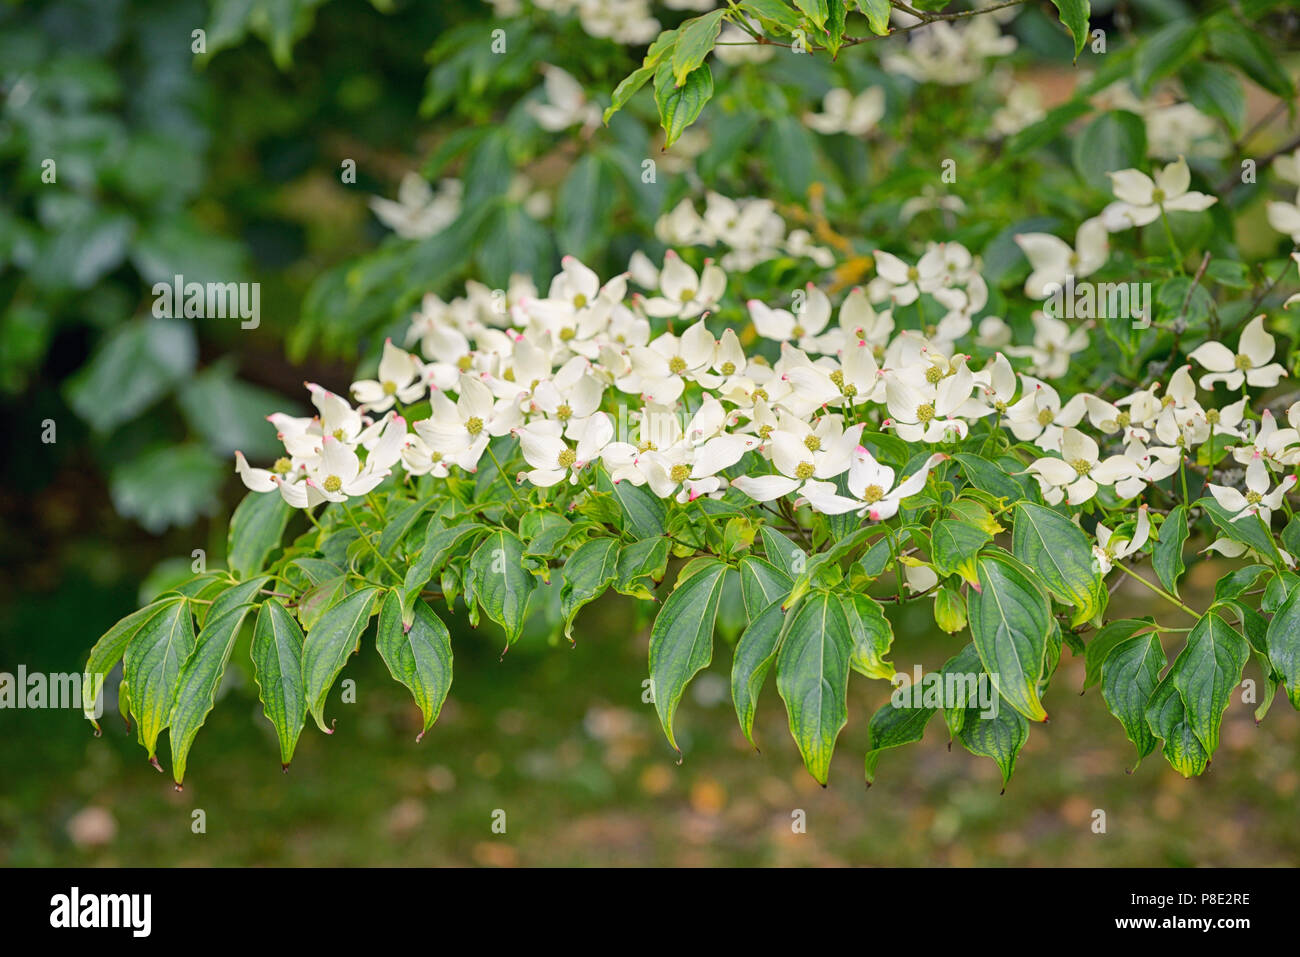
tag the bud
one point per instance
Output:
(949, 610)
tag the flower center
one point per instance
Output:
(332, 484)
(647, 446)
(924, 413)
(465, 363)
(676, 365)
(760, 394)
(579, 300)
(1157, 196)
(804, 470)
(797, 331)
(566, 458)
(282, 466)
(389, 387)
(933, 374)
(679, 473)
(1082, 466)
(566, 334)
(508, 375)
(812, 443)
(1212, 416)
(913, 273)
(872, 494)
(838, 378)
(1254, 498)
(1123, 419)
(339, 434)
(687, 295)
(1000, 406)
(728, 368)
(1243, 362)
(764, 431)
(564, 412)
(474, 425)
(1045, 416)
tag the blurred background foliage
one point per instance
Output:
(229, 165)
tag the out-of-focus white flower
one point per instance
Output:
(419, 212)
(1285, 218)
(1023, 107)
(1252, 363)
(903, 283)
(1140, 199)
(565, 103)
(1053, 260)
(842, 112)
(685, 293)
(1054, 343)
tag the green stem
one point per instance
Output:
(1158, 590)
(366, 538)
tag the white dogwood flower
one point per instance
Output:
(1078, 473)
(552, 460)
(872, 487)
(1251, 364)
(1053, 259)
(842, 112)
(1112, 548)
(400, 380)
(1141, 199)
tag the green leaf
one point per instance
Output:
(1129, 675)
(1167, 718)
(396, 528)
(1113, 141)
(954, 546)
(1074, 14)
(774, 13)
(501, 581)
(1167, 559)
(872, 634)
(331, 641)
(587, 573)
(815, 10)
(277, 667)
(1249, 530)
(255, 531)
(893, 726)
(152, 664)
(761, 583)
(137, 365)
(988, 477)
(1284, 645)
(782, 551)
(1236, 44)
(877, 14)
(641, 567)
(169, 485)
(1165, 50)
(999, 736)
(439, 544)
(681, 640)
(1237, 582)
(626, 88)
(106, 653)
(418, 657)
(1105, 641)
(643, 512)
(1214, 90)
(196, 688)
(680, 104)
(695, 39)
(812, 676)
(755, 653)
(1205, 672)
(1009, 622)
(1061, 557)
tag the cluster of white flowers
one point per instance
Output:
(550, 370)
(751, 229)
(951, 53)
